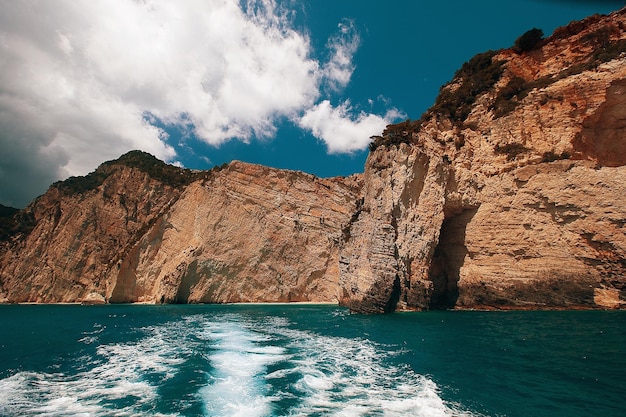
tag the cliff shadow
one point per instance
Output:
(603, 137)
(448, 258)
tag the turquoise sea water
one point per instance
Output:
(300, 360)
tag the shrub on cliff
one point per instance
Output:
(511, 150)
(551, 156)
(609, 52)
(396, 134)
(79, 185)
(6, 221)
(516, 88)
(476, 76)
(528, 41)
(14, 222)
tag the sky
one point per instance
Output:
(294, 84)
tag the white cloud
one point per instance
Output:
(339, 68)
(340, 129)
(78, 79)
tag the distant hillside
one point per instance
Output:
(157, 169)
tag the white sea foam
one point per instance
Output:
(239, 365)
(351, 377)
(118, 373)
(255, 368)
(330, 376)
(92, 336)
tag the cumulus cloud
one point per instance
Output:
(341, 129)
(84, 81)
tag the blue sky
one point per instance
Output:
(296, 84)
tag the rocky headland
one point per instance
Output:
(143, 231)
(509, 193)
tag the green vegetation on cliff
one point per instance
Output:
(455, 99)
(13, 222)
(481, 73)
(396, 134)
(143, 161)
(6, 221)
(528, 41)
(475, 77)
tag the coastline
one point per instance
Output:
(143, 303)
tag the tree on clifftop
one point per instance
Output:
(528, 40)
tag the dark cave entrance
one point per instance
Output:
(448, 259)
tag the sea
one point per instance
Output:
(308, 360)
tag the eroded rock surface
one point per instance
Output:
(509, 193)
(517, 201)
(240, 234)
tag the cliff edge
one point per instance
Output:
(510, 192)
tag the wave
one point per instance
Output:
(315, 375)
(121, 376)
(353, 377)
(249, 367)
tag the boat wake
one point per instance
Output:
(228, 365)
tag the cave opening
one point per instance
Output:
(395, 296)
(448, 258)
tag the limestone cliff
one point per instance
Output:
(137, 230)
(510, 192)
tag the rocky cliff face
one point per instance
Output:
(137, 230)
(509, 193)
